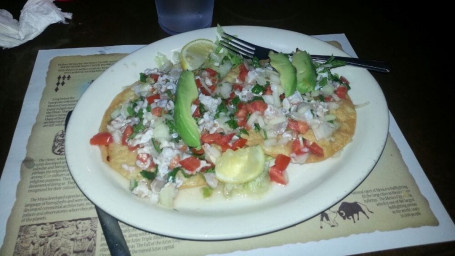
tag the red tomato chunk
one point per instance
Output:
(102, 138)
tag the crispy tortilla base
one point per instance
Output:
(346, 116)
(120, 158)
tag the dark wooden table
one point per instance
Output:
(419, 90)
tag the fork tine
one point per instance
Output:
(238, 40)
(239, 46)
(237, 49)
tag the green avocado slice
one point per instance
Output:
(185, 124)
(306, 72)
(281, 63)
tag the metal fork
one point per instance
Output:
(249, 50)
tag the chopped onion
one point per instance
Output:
(270, 142)
(330, 117)
(225, 90)
(277, 120)
(322, 130)
(141, 190)
(211, 153)
(167, 195)
(256, 118)
(161, 131)
(224, 68)
(273, 76)
(269, 99)
(115, 113)
(299, 159)
(211, 179)
(327, 90)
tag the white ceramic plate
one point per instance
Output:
(312, 189)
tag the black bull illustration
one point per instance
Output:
(347, 211)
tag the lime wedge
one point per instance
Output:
(194, 53)
(240, 166)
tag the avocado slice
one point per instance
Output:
(185, 124)
(281, 63)
(306, 72)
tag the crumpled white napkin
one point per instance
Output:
(36, 15)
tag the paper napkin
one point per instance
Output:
(36, 16)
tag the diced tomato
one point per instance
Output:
(205, 91)
(212, 87)
(277, 175)
(341, 91)
(293, 125)
(150, 99)
(224, 141)
(241, 114)
(242, 111)
(190, 163)
(201, 87)
(299, 148)
(218, 139)
(282, 162)
(126, 134)
(197, 151)
(257, 105)
(205, 168)
(277, 171)
(237, 87)
(146, 160)
(155, 77)
(102, 138)
(198, 83)
(152, 164)
(243, 73)
(228, 101)
(211, 72)
(242, 122)
(143, 157)
(328, 99)
(344, 80)
(197, 112)
(316, 149)
(240, 143)
(158, 111)
(210, 138)
(183, 148)
(226, 138)
(174, 162)
(298, 126)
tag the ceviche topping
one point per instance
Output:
(229, 124)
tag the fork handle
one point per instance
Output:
(373, 65)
